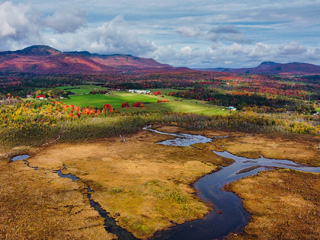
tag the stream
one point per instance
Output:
(110, 223)
(228, 216)
(23, 158)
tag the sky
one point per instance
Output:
(196, 34)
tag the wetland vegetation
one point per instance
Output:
(147, 191)
(147, 187)
(284, 205)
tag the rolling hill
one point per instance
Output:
(42, 59)
(274, 68)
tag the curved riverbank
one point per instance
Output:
(144, 185)
(143, 190)
(230, 216)
(284, 205)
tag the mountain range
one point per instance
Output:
(274, 68)
(42, 59)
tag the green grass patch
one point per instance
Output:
(318, 109)
(188, 107)
(150, 102)
(166, 90)
(114, 98)
(82, 89)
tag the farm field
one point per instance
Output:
(150, 102)
(85, 89)
(166, 90)
(82, 89)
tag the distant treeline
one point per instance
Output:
(241, 101)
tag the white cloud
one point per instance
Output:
(224, 29)
(111, 37)
(188, 32)
(292, 48)
(226, 33)
(68, 20)
(261, 50)
(18, 23)
(208, 33)
(22, 26)
(223, 55)
(314, 54)
(218, 33)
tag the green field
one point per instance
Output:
(82, 89)
(318, 109)
(85, 89)
(166, 90)
(114, 98)
(150, 102)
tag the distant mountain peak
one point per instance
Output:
(280, 68)
(81, 53)
(42, 59)
(268, 63)
(41, 50)
(89, 54)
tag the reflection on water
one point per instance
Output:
(110, 223)
(19, 158)
(23, 158)
(230, 215)
(182, 140)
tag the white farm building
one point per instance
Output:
(139, 91)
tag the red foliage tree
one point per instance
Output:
(137, 104)
(107, 107)
(125, 104)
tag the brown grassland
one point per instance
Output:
(296, 147)
(284, 204)
(145, 186)
(41, 205)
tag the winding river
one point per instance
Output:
(228, 216)
(110, 223)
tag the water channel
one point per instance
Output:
(229, 215)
